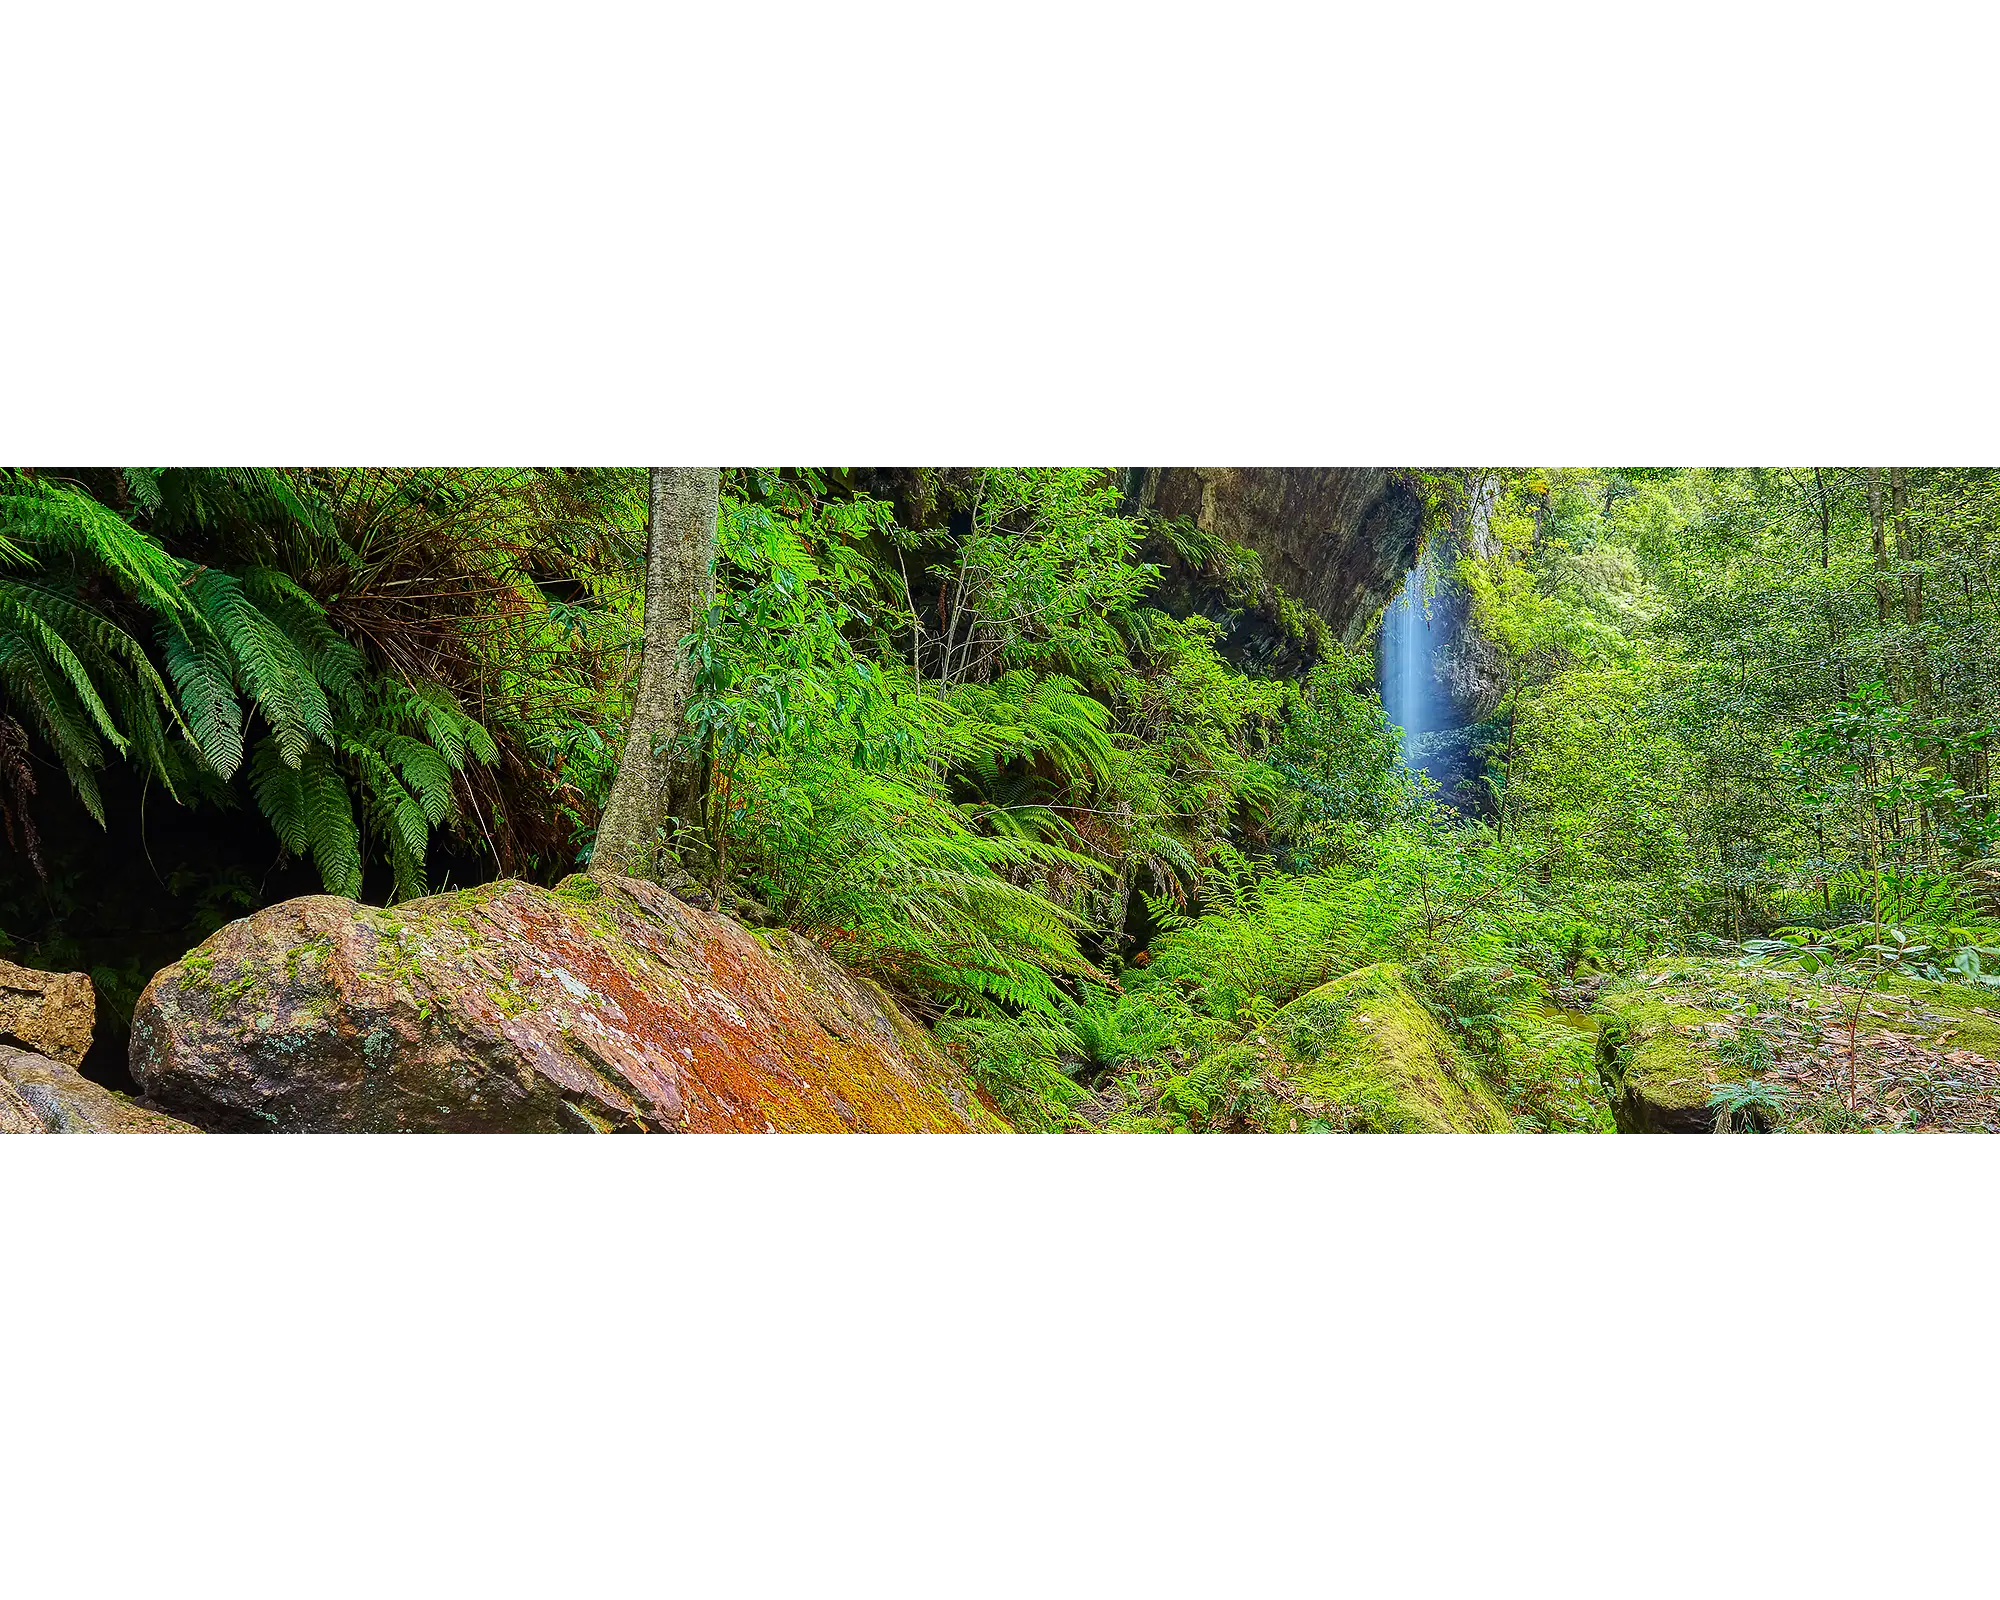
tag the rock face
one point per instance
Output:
(1335, 539)
(1338, 539)
(1362, 1055)
(1467, 666)
(53, 1013)
(1653, 1086)
(601, 1006)
(42, 1095)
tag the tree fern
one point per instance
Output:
(238, 650)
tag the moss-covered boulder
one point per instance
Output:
(39, 1094)
(601, 1006)
(1363, 1055)
(1897, 1053)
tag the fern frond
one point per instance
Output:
(203, 679)
(42, 517)
(334, 839)
(143, 485)
(280, 796)
(267, 663)
(25, 606)
(425, 772)
(33, 684)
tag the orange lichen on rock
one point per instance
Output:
(605, 1005)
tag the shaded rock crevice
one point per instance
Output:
(1337, 539)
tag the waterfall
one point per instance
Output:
(1409, 690)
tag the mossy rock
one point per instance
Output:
(1362, 1055)
(604, 1005)
(1664, 1032)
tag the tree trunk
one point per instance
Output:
(1907, 552)
(1891, 678)
(1881, 549)
(654, 781)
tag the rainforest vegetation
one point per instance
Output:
(967, 730)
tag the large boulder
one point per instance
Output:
(604, 1005)
(1365, 1046)
(1358, 1055)
(51, 1013)
(39, 1094)
(1665, 1036)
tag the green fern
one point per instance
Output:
(331, 833)
(281, 796)
(241, 648)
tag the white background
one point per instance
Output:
(915, 233)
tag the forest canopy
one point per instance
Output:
(990, 737)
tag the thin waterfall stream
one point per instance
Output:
(1410, 694)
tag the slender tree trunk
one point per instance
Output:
(1825, 565)
(655, 782)
(1825, 521)
(1878, 525)
(1913, 601)
(1507, 772)
(1875, 522)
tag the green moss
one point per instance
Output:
(1362, 1054)
(507, 997)
(1975, 1017)
(1664, 1042)
(313, 950)
(217, 995)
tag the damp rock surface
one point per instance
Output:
(604, 1005)
(1336, 538)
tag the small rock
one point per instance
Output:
(62, 1100)
(52, 1013)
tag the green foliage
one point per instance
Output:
(953, 808)
(974, 757)
(1747, 1106)
(1336, 762)
(326, 625)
